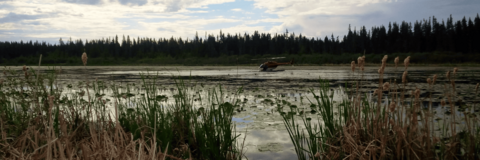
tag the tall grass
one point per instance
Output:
(41, 120)
(389, 125)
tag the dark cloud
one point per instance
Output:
(133, 2)
(13, 17)
(89, 2)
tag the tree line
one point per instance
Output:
(427, 35)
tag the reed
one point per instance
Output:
(40, 121)
(394, 128)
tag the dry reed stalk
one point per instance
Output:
(406, 62)
(397, 59)
(386, 86)
(384, 61)
(84, 58)
(404, 77)
(352, 65)
(448, 75)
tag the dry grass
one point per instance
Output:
(38, 122)
(401, 130)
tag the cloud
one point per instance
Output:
(89, 2)
(133, 2)
(94, 19)
(319, 18)
(13, 17)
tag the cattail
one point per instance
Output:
(434, 79)
(404, 77)
(359, 61)
(84, 58)
(384, 61)
(406, 62)
(417, 94)
(380, 70)
(397, 59)
(392, 106)
(429, 81)
(448, 75)
(353, 66)
(386, 86)
(455, 71)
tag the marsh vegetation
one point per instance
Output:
(47, 114)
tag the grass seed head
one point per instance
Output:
(406, 62)
(448, 75)
(434, 79)
(386, 85)
(84, 58)
(442, 102)
(392, 107)
(380, 70)
(397, 59)
(317, 155)
(429, 81)
(384, 61)
(455, 71)
(24, 68)
(417, 94)
(353, 66)
(404, 77)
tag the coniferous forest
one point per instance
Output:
(428, 41)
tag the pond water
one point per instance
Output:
(267, 137)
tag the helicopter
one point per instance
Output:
(270, 65)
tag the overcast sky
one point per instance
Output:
(50, 20)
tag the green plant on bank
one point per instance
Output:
(39, 119)
(390, 128)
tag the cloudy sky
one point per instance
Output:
(50, 20)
